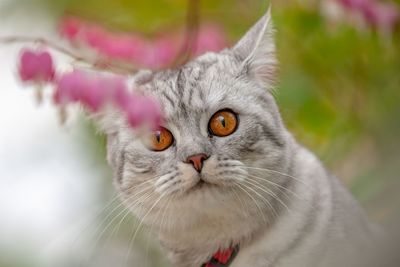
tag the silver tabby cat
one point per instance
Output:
(224, 171)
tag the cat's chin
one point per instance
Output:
(201, 186)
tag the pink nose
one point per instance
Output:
(197, 161)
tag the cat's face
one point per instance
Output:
(221, 122)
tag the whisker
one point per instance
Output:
(268, 191)
(169, 227)
(137, 202)
(164, 213)
(121, 194)
(92, 221)
(263, 199)
(277, 185)
(152, 225)
(123, 202)
(277, 172)
(281, 188)
(237, 196)
(124, 210)
(255, 202)
(91, 250)
(138, 228)
(127, 210)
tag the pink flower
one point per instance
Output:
(120, 95)
(36, 66)
(136, 49)
(355, 4)
(383, 16)
(142, 110)
(210, 38)
(70, 28)
(121, 47)
(94, 91)
(93, 36)
(69, 87)
(73, 87)
(86, 88)
(159, 53)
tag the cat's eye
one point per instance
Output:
(160, 140)
(223, 123)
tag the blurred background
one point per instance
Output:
(339, 93)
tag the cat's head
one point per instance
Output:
(221, 124)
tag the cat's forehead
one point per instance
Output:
(195, 87)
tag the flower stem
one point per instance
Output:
(96, 64)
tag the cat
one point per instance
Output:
(223, 176)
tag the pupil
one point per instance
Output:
(158, 137)
(222, 120)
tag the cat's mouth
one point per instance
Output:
(201, 185)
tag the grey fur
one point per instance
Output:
(293, 214)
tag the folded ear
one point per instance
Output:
(109, 120)
(256, 50)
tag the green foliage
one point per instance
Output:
(339, 87)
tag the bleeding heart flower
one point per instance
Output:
(383, 16)
(94, 91)
(136, 49)
(210, 38)
(119, 94)
(355, 4)
(70, 28)
(36, 66)
(69, 87)
(143, 110)
(83, 87)
(94, 95)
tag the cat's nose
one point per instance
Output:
(197, 161)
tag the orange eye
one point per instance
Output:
(223, 123)
(160, 140)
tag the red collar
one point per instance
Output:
(222, 258)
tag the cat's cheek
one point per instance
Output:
(112, 149)
(210, 166)
(189, 176)
(210, 170)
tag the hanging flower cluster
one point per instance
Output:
(117, 52)
(378, 14)
(36, 66)
(134, 48)
(92, 90)
(383, 16)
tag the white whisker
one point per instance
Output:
(277, 172)
(255, 202)
(268, 191)
(263, 199)
(124, 210)
(138, 228)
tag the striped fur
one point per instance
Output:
(293, 214)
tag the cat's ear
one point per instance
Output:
(108, 120)
(256, 51)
